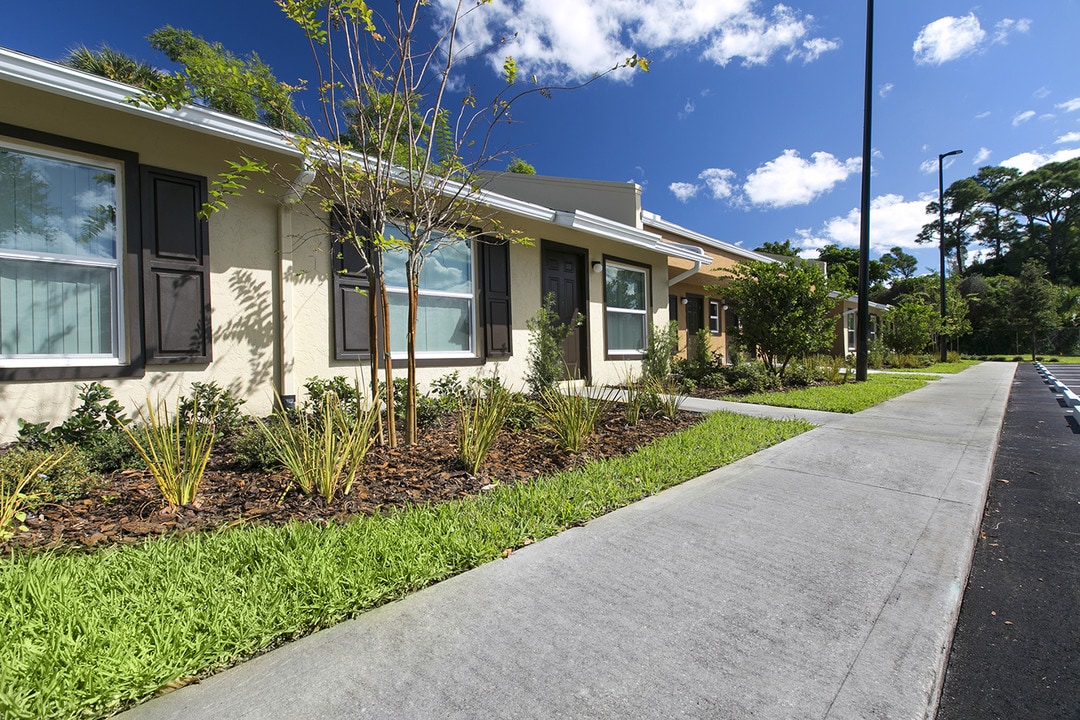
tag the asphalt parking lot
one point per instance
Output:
(1016, 651)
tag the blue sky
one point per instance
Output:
(749, 125)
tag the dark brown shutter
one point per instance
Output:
(352, 297)
(495, 262)
(176, 268)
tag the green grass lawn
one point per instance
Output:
(850, 397)
(84, 634)
(945, 368)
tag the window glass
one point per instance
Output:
(625, 295)
(59, 260)
(714, 317)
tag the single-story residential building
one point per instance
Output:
(108, 273)
(846, 313)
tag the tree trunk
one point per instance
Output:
(391, 426)
(373, 339)
(410, 407)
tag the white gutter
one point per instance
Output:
(58, 79)
(658, 222)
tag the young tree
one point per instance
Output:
(520, 167)
(113, 64)
(1034, 302)
(414, 190)
(775, 248)
(910, 326)
(783, 310)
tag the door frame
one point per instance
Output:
(585, 345)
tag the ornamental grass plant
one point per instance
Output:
(13, 485)
(175, 453)
(481, 416)
(571, 416)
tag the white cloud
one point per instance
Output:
(1068, 138)
(718, 180)
(683, 191)
(688, 108)
(980, 157)
(885, 89)
(1006, 27)
(1042, 93)
(982, 115)
(1069, 105)
(948, 38)
(929, 165)
(791, 180)
(1028, 161)
(572, 39)
(1022, 117)
(893, 222)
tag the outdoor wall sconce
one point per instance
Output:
(685, 301)
(598, 267)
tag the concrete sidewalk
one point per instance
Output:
(820, 578)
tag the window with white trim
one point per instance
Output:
(445, 324)
(61, 230)
(626, 313)
(851, 330)
(714, 317)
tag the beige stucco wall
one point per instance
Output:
(616, 201)
(270, 277)
(243, 261)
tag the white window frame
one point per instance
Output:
(644, 313)
(469, 296)
(118, 337)
(714, 317)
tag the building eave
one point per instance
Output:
(654, 220)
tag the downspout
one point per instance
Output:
(682, 276)
(286, 357)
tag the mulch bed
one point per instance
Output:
(128, 507)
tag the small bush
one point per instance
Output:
(714, 381)
(662, 346)
(875, 354)
(751, 377)
(209, 398)
(667, 395)
(802, 374)
(15, 483)
(546, 334)
(96, 413)
(176, 455)
(347, 393)
(523, 413)
(481, 418)
(570, 417)
(67, 478)
(253, 450)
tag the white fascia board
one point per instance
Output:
(612, 230)
(61, 80)
(658, 222)
(855, 299)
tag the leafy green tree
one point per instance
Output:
(843, 268)
(910, 326)
(999, 226)
(774, 248)
(1049, 198)
(964, 215)
(1034, 301)
(899, 263)
(216, 78)
(519, 166)
(784, 310)
(113, 64)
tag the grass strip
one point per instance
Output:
(942, 368)
(86, 634)
(847, 398)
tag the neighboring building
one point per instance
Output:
(107, 273)
(846, 321)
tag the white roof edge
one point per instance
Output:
(59, 79)
(629, 235)
(656, 221)
(855, 299)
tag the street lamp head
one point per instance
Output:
(942, 156)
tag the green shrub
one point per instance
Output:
(751, 377)
(714, 381)
(96, 413)
(660, 350)
(176, 455)
(803, 373)
(209, 398)
(481, 416)
(523, 413)
(875, 354)
(546, 334)
(570, 417)
(324, 451)
(67, 478)
(15, 486)
(253, 450)
(347, 393)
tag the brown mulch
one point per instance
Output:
(128, 507)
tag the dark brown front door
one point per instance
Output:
(695, 320)
(564, 277)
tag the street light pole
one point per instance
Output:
(941, 247)
(862, 339)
